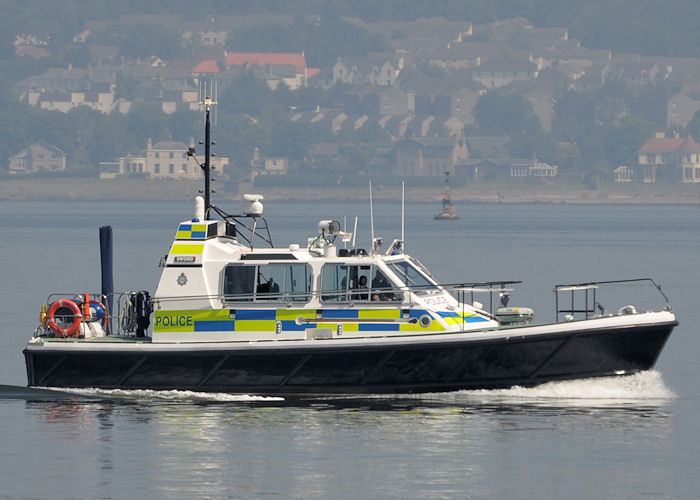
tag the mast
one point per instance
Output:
(206, 166)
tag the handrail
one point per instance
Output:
(590, 290)
(237, 220)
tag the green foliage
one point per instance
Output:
(651, 104)
(142, 40)
(322, 40)
(432, 70)
(125, 86)
(77, 56)
(623, 140)
(537, 144)
(499, 112)
(574, 115)
(693, 127)
(245, 95)
(643, 26)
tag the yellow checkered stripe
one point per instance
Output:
(461, 318)
(192, 231)
(266, 320)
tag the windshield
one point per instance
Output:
(413, 278)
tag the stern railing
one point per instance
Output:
(583, 300)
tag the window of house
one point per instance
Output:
(157, 155)
(184, 168)
(171, 168)
(172, 155)
(286, 282)
(156, 168)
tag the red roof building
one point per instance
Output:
(261, 59)
(207, 66)
(669, 158)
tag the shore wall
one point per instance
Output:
(481, 192)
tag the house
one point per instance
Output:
(32, 46)
(162, 160)
(523, 169)
(635, 74)
(268, 165)
(375, 101)
(453, 94)
(64, 102)
(274, 62)
(406, 36)
(376, 69)
(38, 156)
(213, 30)
(429, 156)
(623, 173)
(498, 72)
(420, 126)
(675, 159)
(172, 95)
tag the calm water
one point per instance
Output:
(622, 438)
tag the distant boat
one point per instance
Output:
(448, 211)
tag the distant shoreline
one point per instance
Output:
(481, 192)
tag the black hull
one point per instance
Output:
(366, 369)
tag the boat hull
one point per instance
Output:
(363, 367)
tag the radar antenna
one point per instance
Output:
(207, 100)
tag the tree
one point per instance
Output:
(622, 141)
(82, 122)
(125, 86)
(245, 95)
(143, 40)
(574, 115)
(693, 127)
(497, 111)
(147, 120)
(538, 145)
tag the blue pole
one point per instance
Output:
(107, 273)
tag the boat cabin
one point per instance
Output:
(217, 285)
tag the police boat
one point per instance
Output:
(232, 313)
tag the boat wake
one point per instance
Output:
(175, 396)
(641, 389)
(645, 388)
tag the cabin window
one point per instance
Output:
(285, 282)
(355, 283)
(267, 282)
(411, 277)
(239, 283)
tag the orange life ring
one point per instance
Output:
(72, 330)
